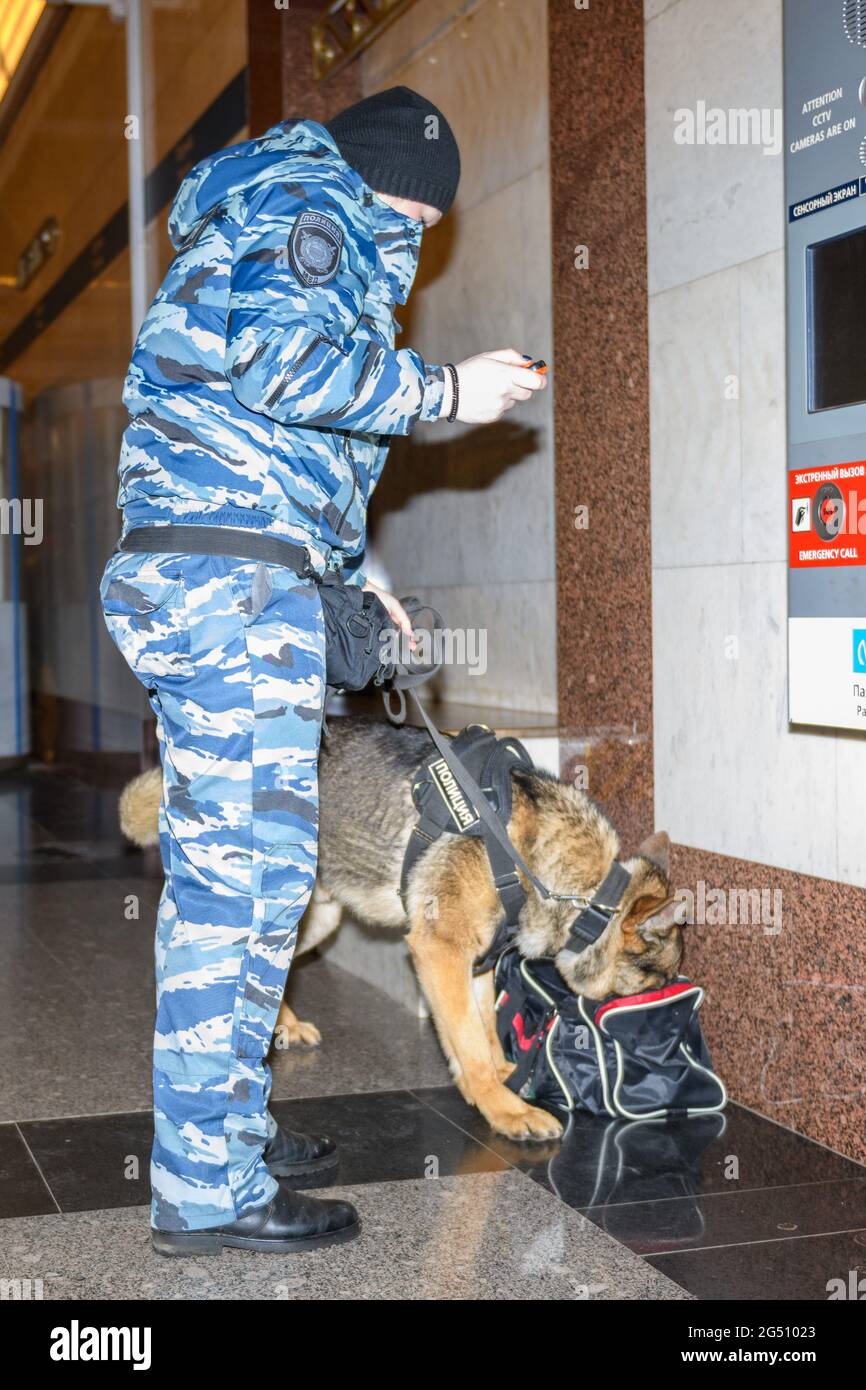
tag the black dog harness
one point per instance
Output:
(467, 790)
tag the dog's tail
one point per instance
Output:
(139, 808)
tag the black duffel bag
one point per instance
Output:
(641, 1056)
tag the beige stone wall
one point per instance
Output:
(465, 516)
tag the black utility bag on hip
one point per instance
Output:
(640, 1056)
(354, 621)
(357, 632)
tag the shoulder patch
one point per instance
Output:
(315, 247)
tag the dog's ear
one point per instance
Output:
(657, 848)
(652, 921)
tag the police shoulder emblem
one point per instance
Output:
(315, 245)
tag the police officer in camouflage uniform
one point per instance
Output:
(263, 390)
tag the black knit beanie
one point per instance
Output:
(400, 143)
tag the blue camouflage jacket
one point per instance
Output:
(264, 385)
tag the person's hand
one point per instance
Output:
(396, 612)
(490, 384)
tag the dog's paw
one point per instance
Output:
(296, 1033)
(522, 1122)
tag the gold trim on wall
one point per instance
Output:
(346, 28)
(18, 19)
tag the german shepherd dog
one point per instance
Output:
(366, 814)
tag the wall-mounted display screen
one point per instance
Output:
(836, 319)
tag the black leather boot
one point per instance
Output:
(291, 1221)
(290, 1155)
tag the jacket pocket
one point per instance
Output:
(145, 612)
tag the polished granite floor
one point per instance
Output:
(719, 1207)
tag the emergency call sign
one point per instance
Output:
(827, 514)
(827, 531)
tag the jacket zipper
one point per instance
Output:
(198, 232)
(355, 485)
(284, 380)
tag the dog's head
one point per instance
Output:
(642, 946)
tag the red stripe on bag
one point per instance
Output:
(651, 997)
(523, 1042)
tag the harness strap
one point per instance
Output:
(595, 914)
(512, 897)
(589, 924)
(482, 806)
(417, 844)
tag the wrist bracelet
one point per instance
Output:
(455, 392)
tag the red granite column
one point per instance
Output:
(604, 615)
(281, 83)
(265, 25)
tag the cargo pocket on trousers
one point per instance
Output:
(251, 587)
(147, 619)
(262, 979)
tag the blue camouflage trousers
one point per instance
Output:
(233, 657)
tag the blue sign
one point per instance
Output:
(830, 198)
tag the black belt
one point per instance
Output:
(236, 542)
